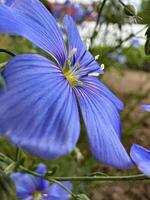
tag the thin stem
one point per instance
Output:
(104, 178)
(98, 19)
(47, 178)
(7, 52)
(76, 179)
(125, 40)
(121, 2)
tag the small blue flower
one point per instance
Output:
(135, 42)
(39, 111)
(141, 155)
(122, 59)
(34, 188)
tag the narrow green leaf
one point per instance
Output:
(2, 83)
(7, 188)
(129, 10)
(147, 47)
(82, 197)
(148, 32)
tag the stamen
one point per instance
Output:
(72, 78)
(102, 66)
(69, 71)
(37, 195)
(72, 53)
(93, 74)
(97, 57)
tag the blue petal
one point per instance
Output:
(39, 111)
(145, 107)
(102, 123)
(24, 184)
(82, 56)
(104, 91)
(58, 193)
(41, 169)
(30, 19)
(41, 184)
(141, 157)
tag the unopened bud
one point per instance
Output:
(130, 10)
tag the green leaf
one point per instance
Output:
(148, 32)
(82, 197)
(2, 83)
(7, 187)
(130, 10)
(147, 47)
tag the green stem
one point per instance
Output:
(58, 180)
(97, 20)
(104, 178)
(50, 179)
(7, 52)
(125, 40)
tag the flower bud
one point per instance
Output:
(129, 10)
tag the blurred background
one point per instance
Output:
(118, 37)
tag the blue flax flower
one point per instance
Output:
(34, 188)
(141, 155)
(39, 111)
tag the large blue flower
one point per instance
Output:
(33, 188)
(141, 155)
(39, 111)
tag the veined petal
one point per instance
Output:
(58, 193)
(103, 90)
(82, 56)
(24, 184)
(141, 157)
(30, 19)
(145, 107)
(38, 111)
(102, 122)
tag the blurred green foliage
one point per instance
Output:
(145, 11)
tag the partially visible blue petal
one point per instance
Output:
(30, 19)
(141, 157)
(25, 185)
(41, 184)
(83, 56)
(145, 107)
(41, 169)
(39, 110)
(58, 193)
(102, 122)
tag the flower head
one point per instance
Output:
(39, 110)
(141, 155)
(34, 188)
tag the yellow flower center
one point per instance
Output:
(37, 195)
(72, 78)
